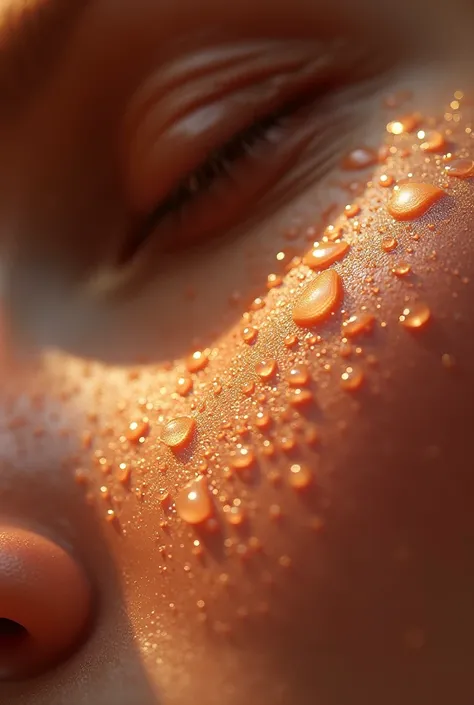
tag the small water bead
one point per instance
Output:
(266, 369)
(287, 443)
(184, 386)
(179, 432)
(275, 512)
(248, 388)
(243, 458)
(257, 304)
(460, 168)
(298, 376)
(262, 419)
(324, 254)
(249, 334)
(319, 299)
(352, 378)
(301, 397)
(407, 123)
(235, 516)
(358, 324)
(389, 244)
(138, 430)
(415, 316)
(448, 361)
(285, 561)
(401, 270)
(197, 361)
(432, 141)
(300, 477)
(412, 200)
(274, 280)
(194, 502)
(291, 340)
(352, 210)
(386, 181)
(360, 158)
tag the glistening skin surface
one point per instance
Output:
(252, 471)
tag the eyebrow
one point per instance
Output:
(32, 37)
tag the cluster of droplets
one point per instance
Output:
(278, 391)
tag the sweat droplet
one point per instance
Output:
(385, 180)
(432, 142)
(412, 200)
(360, 158)
(389, 244)
(415, 316)
(356, 325)
(184, 385)
(408, 123)
(194, 503)
(178, 432)
(319, 299)
(249, 334)
(235, 516)
(300, 397)
(243, 458)
(298, 376)
(401, 270)
(197, 361)
(352, 379)
(138, 430)
(266, 369)
(300, 476)
(461, 168)
(325, 253)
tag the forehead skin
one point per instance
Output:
(357, 591)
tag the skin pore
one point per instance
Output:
(167, 169)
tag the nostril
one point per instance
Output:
(45, 602)
(12, 635)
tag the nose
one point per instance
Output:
(45, 603)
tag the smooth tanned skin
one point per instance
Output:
(356, 591)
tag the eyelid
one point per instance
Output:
(174, 133)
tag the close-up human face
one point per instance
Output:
(237, 388)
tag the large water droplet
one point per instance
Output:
(194, 503)
(178, 432)
(460, 168)
(325, 253)
(415, 316)
(266, 369)
(319, 299)
(412, 200)
(432, 141)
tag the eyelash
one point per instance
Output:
(220, 164)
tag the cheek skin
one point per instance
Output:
(335, 524)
